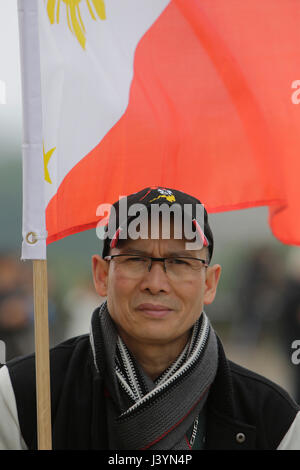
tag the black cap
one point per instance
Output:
(159, 195)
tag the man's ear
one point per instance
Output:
(213, 274)
(100, 275)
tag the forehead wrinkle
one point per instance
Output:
(147, 249)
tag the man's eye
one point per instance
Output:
(135, 259)
(178, 261)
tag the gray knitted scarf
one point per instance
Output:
(147, 414)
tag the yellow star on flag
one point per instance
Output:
(47, 157)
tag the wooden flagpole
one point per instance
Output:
(34, 225)
(42, 360)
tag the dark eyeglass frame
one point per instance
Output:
(151, 259)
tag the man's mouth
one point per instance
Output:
(154, 310)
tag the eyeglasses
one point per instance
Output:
(179, 267)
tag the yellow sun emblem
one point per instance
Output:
(75, 22)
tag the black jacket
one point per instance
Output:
(244, 410)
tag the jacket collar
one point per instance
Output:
(223, 429)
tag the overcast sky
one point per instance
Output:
(10, 113)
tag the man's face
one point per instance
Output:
(133, 303)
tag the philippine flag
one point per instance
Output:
(202, 96)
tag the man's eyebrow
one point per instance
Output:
(134, 251)
(184, 253)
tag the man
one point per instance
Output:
(152, 374)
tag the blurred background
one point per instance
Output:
(257, 309)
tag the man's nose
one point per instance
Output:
(156, 280)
